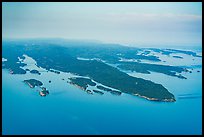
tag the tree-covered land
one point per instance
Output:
(62, 56)
(82, 82)
(33, 82)
(35, 72)
(146, 68)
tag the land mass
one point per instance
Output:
(179, 57)
(98, 92)
(44, 92)
(35, 72)
(64, 58)
(170, 51)
(33, 82)
(114, 92)
(81, 82)
(146, 68)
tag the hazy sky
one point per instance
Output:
(138, 22)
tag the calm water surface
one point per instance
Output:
(69, 110)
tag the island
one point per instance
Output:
(114, 92)
(44, 92)
(179, 57)
(33, 82)
(89, 91)
(57, 72)
(35, 72)
(146, 68)
(98, 92)
(170, 51)
(99, 68)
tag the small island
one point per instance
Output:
(98, 92)
(179, 57)
(57, 72)
(35, 72)
(44, 92)
(33, 82)
(89, 91)
(146, 68)
(114, 92)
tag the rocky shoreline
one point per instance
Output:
(156, 99)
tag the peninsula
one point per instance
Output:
(56, 58)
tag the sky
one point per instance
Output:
(136, 23)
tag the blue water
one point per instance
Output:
(74, 112)
(69, 110)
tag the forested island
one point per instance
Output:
(33, 82)
(146, 68)
(44, 92)
(35, 72)
(57, 57)
(36, 83)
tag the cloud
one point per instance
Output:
(106, 23)
(152, 17)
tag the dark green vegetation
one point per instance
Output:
(184, 52)
(98, 92)
(44, 92)
(35, 72)
(82, 82)
(103, 88)
(33, 82)
(179, 57)
(49, 55)
(145, 68)
(146, 52)
(114, 92)
(170, 51)
(13, 66)
(11, 53)
(57, 72)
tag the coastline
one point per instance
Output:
(156, 99)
